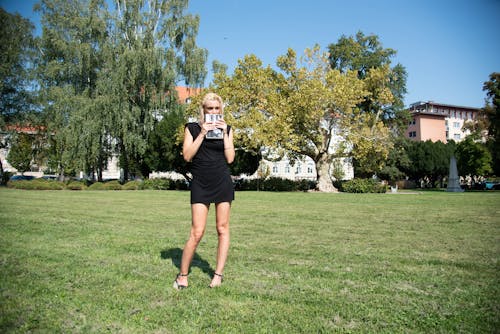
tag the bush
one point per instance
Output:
(96, 186)
(275, 184)
(132, 185)
(76, 185)
(36, 184)
(156, 184)
(363, 186)
(112, 185)
(182, 184)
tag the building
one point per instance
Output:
(439, 122)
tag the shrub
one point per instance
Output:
(275, 184)
(156, 184)
(363, 186)
(96, 186)
(132, 185)
(76, 185)
(36, 184)
(181, 184)
(112, 185)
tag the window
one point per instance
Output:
(456, 136)
(287, 169)
(275, 169)
(456, 125)
(413, 134)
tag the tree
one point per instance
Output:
(21, 153)
(16, 59)
(105, 76)
(386, 86)
(306, 109)
(363, 54)
(492, 110)
(153, 48)
(429, 160)
(72, 45)
(473, 158)
(164, 148)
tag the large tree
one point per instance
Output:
(108, 74)
(473, 158)
(72, 44)
(305, 109)
(492, 110)
(17, 58)
(153, 48)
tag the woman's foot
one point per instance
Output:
(181, 281)
(216, 280)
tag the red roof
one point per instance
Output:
(186, 92)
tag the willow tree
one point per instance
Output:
(107, 74)
(153, 48)
(305, 109)
(74, 35)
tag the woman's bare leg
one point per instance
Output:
(222, 224)
(199, 213)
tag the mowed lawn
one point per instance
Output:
(104, 262)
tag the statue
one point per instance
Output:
(453, 178)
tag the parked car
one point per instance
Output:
(490, 185)
(49, 177)
(21, 177)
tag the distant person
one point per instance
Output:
(208, 145)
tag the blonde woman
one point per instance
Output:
(208, 145)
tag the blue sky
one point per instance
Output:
(448, 47)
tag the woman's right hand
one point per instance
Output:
(207, 126)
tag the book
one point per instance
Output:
(217, 133)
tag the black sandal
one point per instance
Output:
(178, 286)
(221, 280)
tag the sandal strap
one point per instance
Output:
(182, 275)
(220, 275)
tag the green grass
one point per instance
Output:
(104, 262)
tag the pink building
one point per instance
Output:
(439, 122)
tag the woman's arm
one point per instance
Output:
(228, 146)
(191, 145)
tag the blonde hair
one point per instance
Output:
(210, 97)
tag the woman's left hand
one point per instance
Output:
(221, 124)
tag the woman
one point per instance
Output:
(211, 184)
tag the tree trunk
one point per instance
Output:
(323, 175)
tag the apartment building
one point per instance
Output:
(439, 122)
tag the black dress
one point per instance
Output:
(211, 177)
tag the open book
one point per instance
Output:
(217, 133)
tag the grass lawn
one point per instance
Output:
(104, 262)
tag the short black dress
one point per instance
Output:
(211, 177)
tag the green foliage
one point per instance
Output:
(16, 62)
(37, 184)
(96, 186)
(112, 185)
(21, 152)
(107, 75)
(363, 186)
(492, 111)
(473, 158)
(76, 185)
(156, 184)
(164, 150)
(275, 184)
(364, 54)
(429, 160)
(132, 185)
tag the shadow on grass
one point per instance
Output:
(175, 254)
